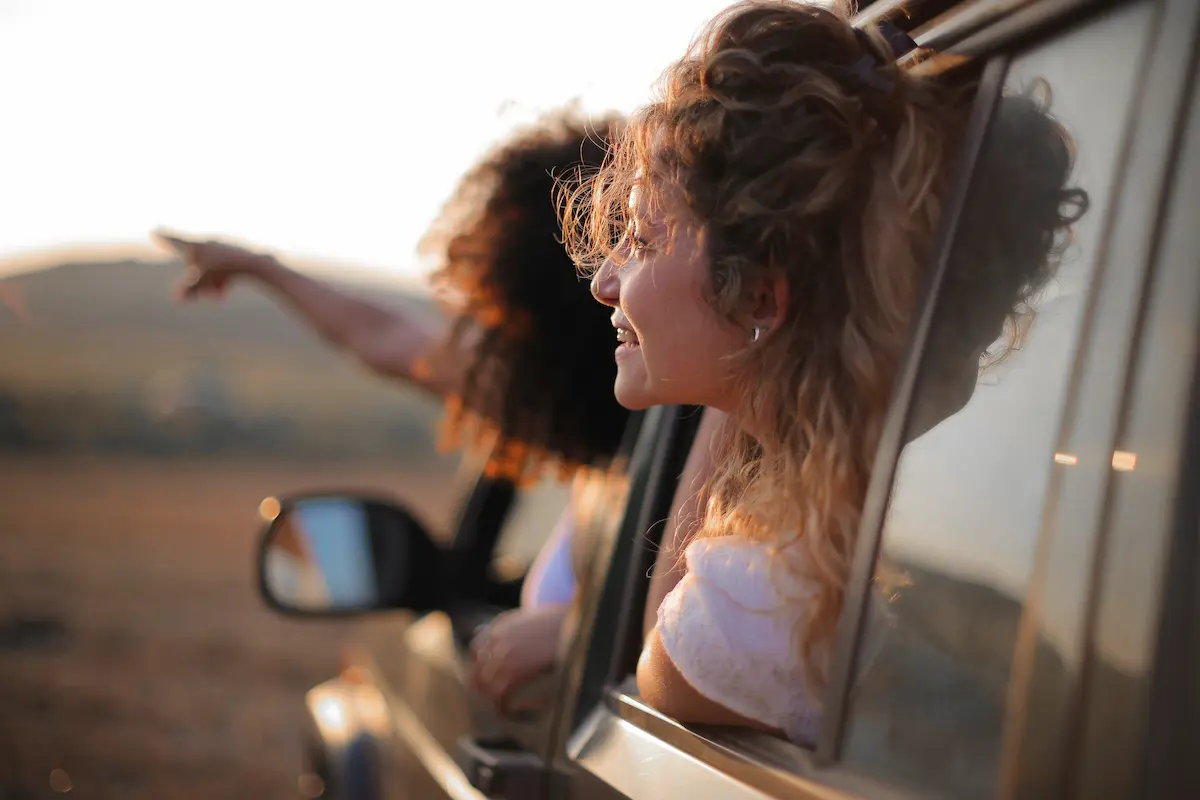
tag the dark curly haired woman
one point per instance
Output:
(522, 355)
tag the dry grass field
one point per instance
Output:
(135, 656)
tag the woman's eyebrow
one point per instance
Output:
(644, 227)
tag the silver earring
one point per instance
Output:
(755, 333)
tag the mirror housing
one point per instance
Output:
(337, 554)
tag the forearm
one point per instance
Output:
(663, 687)
(391, 342)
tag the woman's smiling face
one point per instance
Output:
(673, 345)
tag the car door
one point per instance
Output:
(443, 739)
(417, 667)
(972, 680)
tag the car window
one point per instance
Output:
(961, 534)
(529, 524)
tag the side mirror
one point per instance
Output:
(337, 554)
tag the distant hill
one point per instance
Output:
(132, 302)
(109, 338)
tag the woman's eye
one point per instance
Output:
(632, 247)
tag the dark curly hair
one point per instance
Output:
(538, 391)
(1015, 228)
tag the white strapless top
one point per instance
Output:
(729, 626)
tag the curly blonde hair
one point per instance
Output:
(792, 145)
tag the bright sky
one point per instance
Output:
(329, 131)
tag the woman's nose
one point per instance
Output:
(605, 286)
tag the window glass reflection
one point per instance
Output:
(962, 529)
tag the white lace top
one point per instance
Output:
(729, 626)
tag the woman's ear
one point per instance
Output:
(767, 305)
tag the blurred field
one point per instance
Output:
(134, 653)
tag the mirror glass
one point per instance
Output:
(325, 554)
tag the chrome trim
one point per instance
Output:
(956, 24)
(1014, 27)
(623, 735)
(423, 639)
(969, 30)
(437, 763)
(892, 10)
(421, 743)
(340, 711)
(640, 766)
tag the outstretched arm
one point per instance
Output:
(397, 343)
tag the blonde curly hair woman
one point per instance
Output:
(778, 201)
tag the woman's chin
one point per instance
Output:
(632, 395)
(630, 387)
(634, 402)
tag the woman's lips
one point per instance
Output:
(627, 342)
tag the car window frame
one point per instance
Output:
(477, 530)
(671, 452)
(588, 671)
(852, 625)
(754, 759)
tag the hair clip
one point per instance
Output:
(902, 44)
(866, 69)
